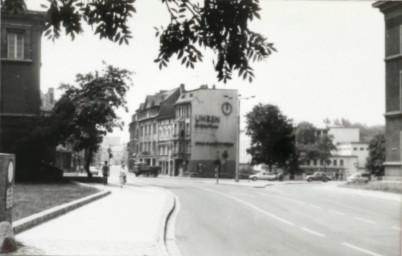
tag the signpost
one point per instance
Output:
(7, 175)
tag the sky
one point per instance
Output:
(329, 62)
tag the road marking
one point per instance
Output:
(365, 220)
(336, 212)
(254, 207)
(361, 249)
(241, 194)
(396, 228)
(285, 198)
(315, 206)
(312, 232)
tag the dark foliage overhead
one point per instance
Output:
(220, 25)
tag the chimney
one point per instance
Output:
(182, 88)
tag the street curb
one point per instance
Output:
(161, 236)
(170, 234)
(41, 217)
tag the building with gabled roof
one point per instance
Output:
(186, 132)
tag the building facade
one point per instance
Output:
(392, 11)
(350, 155)
(20, 98)
(187, 133)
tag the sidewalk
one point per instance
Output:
(242, 182)
(127, 222)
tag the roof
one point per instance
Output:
(167, 109)
(156, 99)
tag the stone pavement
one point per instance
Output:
(127, 222)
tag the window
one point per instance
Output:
(341, 162)
(188, 129)
(335, 162)
(314, 162)
(354, 148)
(361, 149)
(15, 46)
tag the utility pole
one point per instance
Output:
(238, 136)
(238, 141)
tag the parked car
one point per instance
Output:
(94, 170)
(318, 176)
(264, 176)
(357, 178)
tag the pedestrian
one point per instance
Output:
(105, 172)
(123, 176)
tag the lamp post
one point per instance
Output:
(238, 134)
(239, 98)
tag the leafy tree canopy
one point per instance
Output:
(376, 156)
(216, 24)
(86, 112)
(271, 134)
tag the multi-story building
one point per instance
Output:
(20, 99)
(392, 11)
(187, 132)
(349, 156)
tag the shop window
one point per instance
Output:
(15, 45)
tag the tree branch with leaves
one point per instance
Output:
(219, 25)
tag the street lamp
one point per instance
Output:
(238, 133)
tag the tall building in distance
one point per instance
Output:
(187, 133)
(392, 11)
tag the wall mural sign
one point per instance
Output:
(207, 121)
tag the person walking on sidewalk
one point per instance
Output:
(123, 175)
(105, 172)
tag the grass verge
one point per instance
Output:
(378, 186)
(31, 198)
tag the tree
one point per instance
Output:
(376, 156)
(86, 112)
(324, 146)
(305, 144)
(218, 25)
(271, 133)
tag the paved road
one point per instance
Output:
(294, 219)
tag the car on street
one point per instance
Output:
(318, 176)
(264, 176)
(357, 178)
(94, 170)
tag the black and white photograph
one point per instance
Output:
(201, 127)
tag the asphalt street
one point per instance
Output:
(297, 219)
